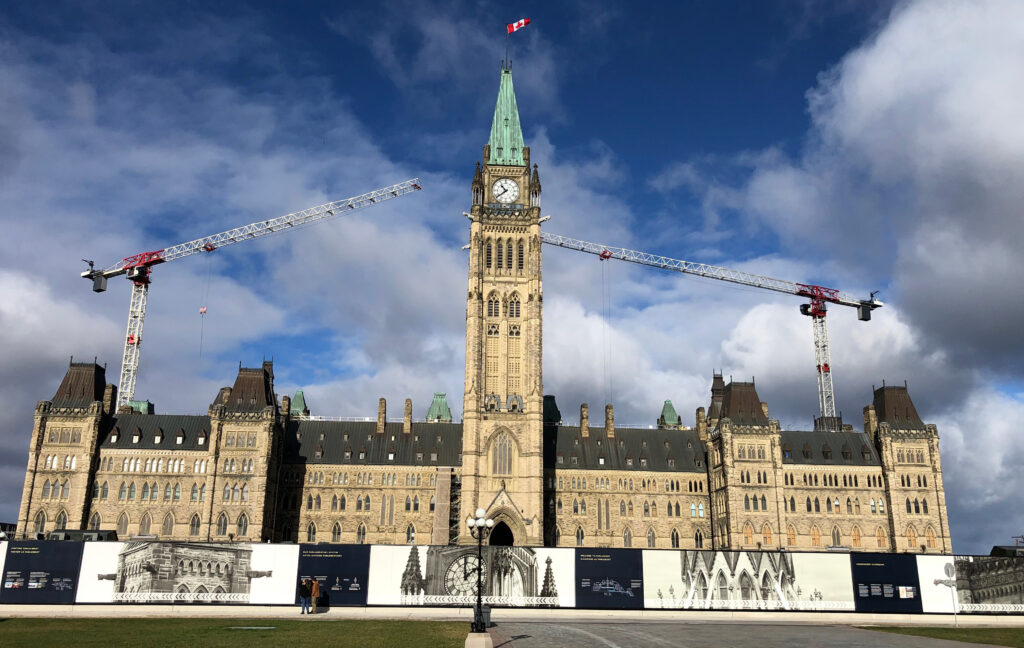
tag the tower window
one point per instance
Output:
(513, 306)
(519, 259)
(487, 255)
(500, 248)
(508, 257)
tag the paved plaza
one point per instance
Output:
(699, 635)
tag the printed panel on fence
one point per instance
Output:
(341, 570)
(885, 583)
(972, 584)
(41, 572)
(609, 578)
(746, 580)
(184, 572)
(447, 576)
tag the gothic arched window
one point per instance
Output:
(501, 247)
(579, 536)
(167, 528)
(144, 524)
(193, 525)
(242, 527)
(650, 538)
(519, 258)
(222, 524)
(502, 453)
(336, 533)
(122, 525)
(627, 538)
(311, 532)
(361, 534)
(94, 522)
(410, 535)
(61, 522)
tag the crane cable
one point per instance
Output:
(202, 305)
(606, 308)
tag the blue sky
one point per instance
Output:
(864, 145)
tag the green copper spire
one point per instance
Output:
(299, 403)
(506, 139)
(439, 411)
(669, 418)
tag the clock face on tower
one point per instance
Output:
(505, 190)
(460, 577)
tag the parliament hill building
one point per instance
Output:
(258, 467)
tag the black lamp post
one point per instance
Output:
(479, 528)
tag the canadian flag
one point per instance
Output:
(519, 24)
(202, 310)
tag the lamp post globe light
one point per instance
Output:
(479, 528)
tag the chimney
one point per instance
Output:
(286, 405)
(702, 424)
(871, 422)
(109, 399)
(584, 421)
(764, 408)
(382, 415)
(609, 421)
(407, 417)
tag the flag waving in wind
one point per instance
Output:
(519, 24)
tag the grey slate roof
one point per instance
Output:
(893, 406)
(148, 424)
(304, 438)
(82, 384)
(815, 442)
(684, 447)
(741, 405)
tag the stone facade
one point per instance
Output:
(256, 468)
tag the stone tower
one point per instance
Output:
(503, 408)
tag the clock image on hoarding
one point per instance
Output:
(460, 578)
(505, 190)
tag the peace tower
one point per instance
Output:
(504, 396)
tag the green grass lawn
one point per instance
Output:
(996, 636)
(203, 633)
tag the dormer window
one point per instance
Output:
(391, 455)
(135, 437)
(181, 437)
(574, 460)
(113, 436)
(807, 451)
(643, 462)
(348, 453)
(671, 462)
(600, 461)
(202, 438)
(433, 457)
(576, 441)
(561, 459)
(319, 452)
(826, 451)
(362, 455)
(629, 461)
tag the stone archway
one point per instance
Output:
(501, 536)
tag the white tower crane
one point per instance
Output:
(138, 267)
(818, 295)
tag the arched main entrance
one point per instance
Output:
(501, 536)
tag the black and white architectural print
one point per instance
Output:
(182, 572)
(447, 576)
(988, 584)
(746, 580)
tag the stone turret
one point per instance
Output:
(609, 421)
(584, 420)
(407, 417)
(382, 415)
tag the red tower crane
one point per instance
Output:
(816, 309)
(138, 267)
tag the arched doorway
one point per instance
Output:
(501, 536)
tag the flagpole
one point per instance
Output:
(506, 49)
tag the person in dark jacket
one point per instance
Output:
(304, 593)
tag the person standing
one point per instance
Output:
(314, 591)
(304, 593)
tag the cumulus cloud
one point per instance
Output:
(909, 178)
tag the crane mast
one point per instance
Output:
(138, 267)
(816, 309)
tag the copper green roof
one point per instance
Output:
(299, 402)
(668, 414)
(142, 407)
(506, 139)
(439, 410)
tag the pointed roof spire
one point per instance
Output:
(669, 418)
(506, 141)
(439, 411)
